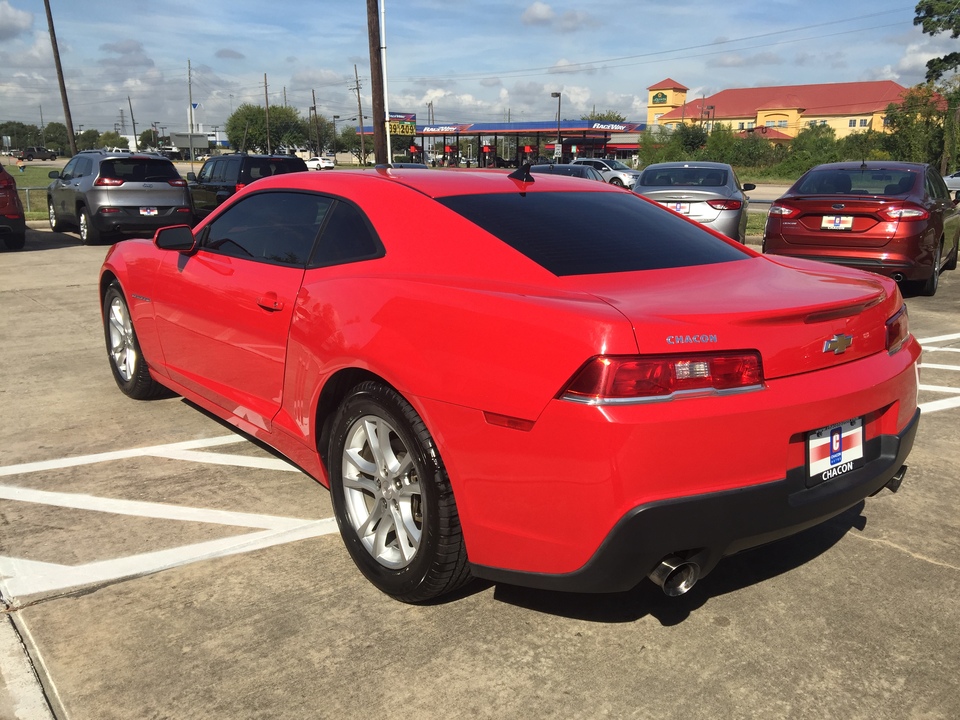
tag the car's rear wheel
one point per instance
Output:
(55, 224)
(89, 235)
(930, 285)
(392, 497)
(15, 241)
(952, 260)
(126, 361)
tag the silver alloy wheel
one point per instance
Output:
(123, 349)
(52, 215)
(84, 227)
(381, 491)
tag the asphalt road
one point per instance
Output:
(154, 564)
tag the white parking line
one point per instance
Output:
(20, 577)
(946, 403)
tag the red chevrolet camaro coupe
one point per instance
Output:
(530, 379)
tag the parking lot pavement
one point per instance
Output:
(154, 564)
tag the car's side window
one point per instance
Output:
(231, 171)
(84, 167)
(70, 170)
(216, 174)
(347, 237)
(936, 187)
(275, 227)
(206, 172)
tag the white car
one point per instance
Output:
(320, 163)
(952, 181)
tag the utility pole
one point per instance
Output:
(376, 84)
(136, 141)
(71, 139)
(316, 120)
(266, 107)
(363, 150)
(190, 112)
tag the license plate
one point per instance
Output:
(680, 207)
(148, 211)
(836, 222)
(836, 449)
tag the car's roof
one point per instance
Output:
(872, 165)
(688, 164)
(434, 183)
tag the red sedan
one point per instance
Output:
(528, 379)
(892, 218)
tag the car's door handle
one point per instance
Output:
(269, 301)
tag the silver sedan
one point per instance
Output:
(707, 192)
(952, 181)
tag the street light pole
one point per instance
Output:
(335, 143)
(558, 148)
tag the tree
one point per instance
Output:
(247, 128)
(606, 116)
(88, 140)
(147, 139)
(935, 17)
(916, 126)
(350, 142)
(112, 138)
(55, 137)
(690, 137)
(812, 146)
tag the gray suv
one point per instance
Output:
(102, 193)
(613, 171)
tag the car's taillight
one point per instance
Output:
(616, 379)
(898, 330)
(904, 212)
(721, 204)
(108, 182)
(781, 210)
(7, 183)
(178, 182)
(239, 187)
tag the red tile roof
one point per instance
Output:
(855, 98)
(668, 84)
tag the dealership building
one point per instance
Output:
(779, 112)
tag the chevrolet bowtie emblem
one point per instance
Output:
(838, 344)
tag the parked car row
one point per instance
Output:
(13, 225)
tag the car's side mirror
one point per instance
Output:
(175, 237)
(191, 177)
(54, 174)
(749, 186)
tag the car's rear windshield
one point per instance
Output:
(574, 233)
(856, 181)
(139, 170)
(688, 176)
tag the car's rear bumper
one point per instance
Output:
(130, 220)
(12, 226)
(704, 528)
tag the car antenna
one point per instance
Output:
(522, 174)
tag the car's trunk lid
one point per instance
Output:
(841, 220)
(800, 315)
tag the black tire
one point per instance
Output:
(15, 241)
(123, 349)
(616, 181)
(930, 285)
(952, 260)
(55, 224)
(89, 235)
(375, 492)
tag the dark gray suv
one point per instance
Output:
(103, 193)
(220, 177)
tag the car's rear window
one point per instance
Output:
(575, 233)
(856, 181)
(689, 176)
(139, 170)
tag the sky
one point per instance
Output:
(488, 61)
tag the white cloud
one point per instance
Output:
(13, 22)
(538, 14)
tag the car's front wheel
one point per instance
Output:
(123, 349)
(392, 497)
(616, 181)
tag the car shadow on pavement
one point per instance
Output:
(732, 574)
(48, 240)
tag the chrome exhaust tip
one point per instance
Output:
(893, 484)
(898, 277)
(675, 576)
